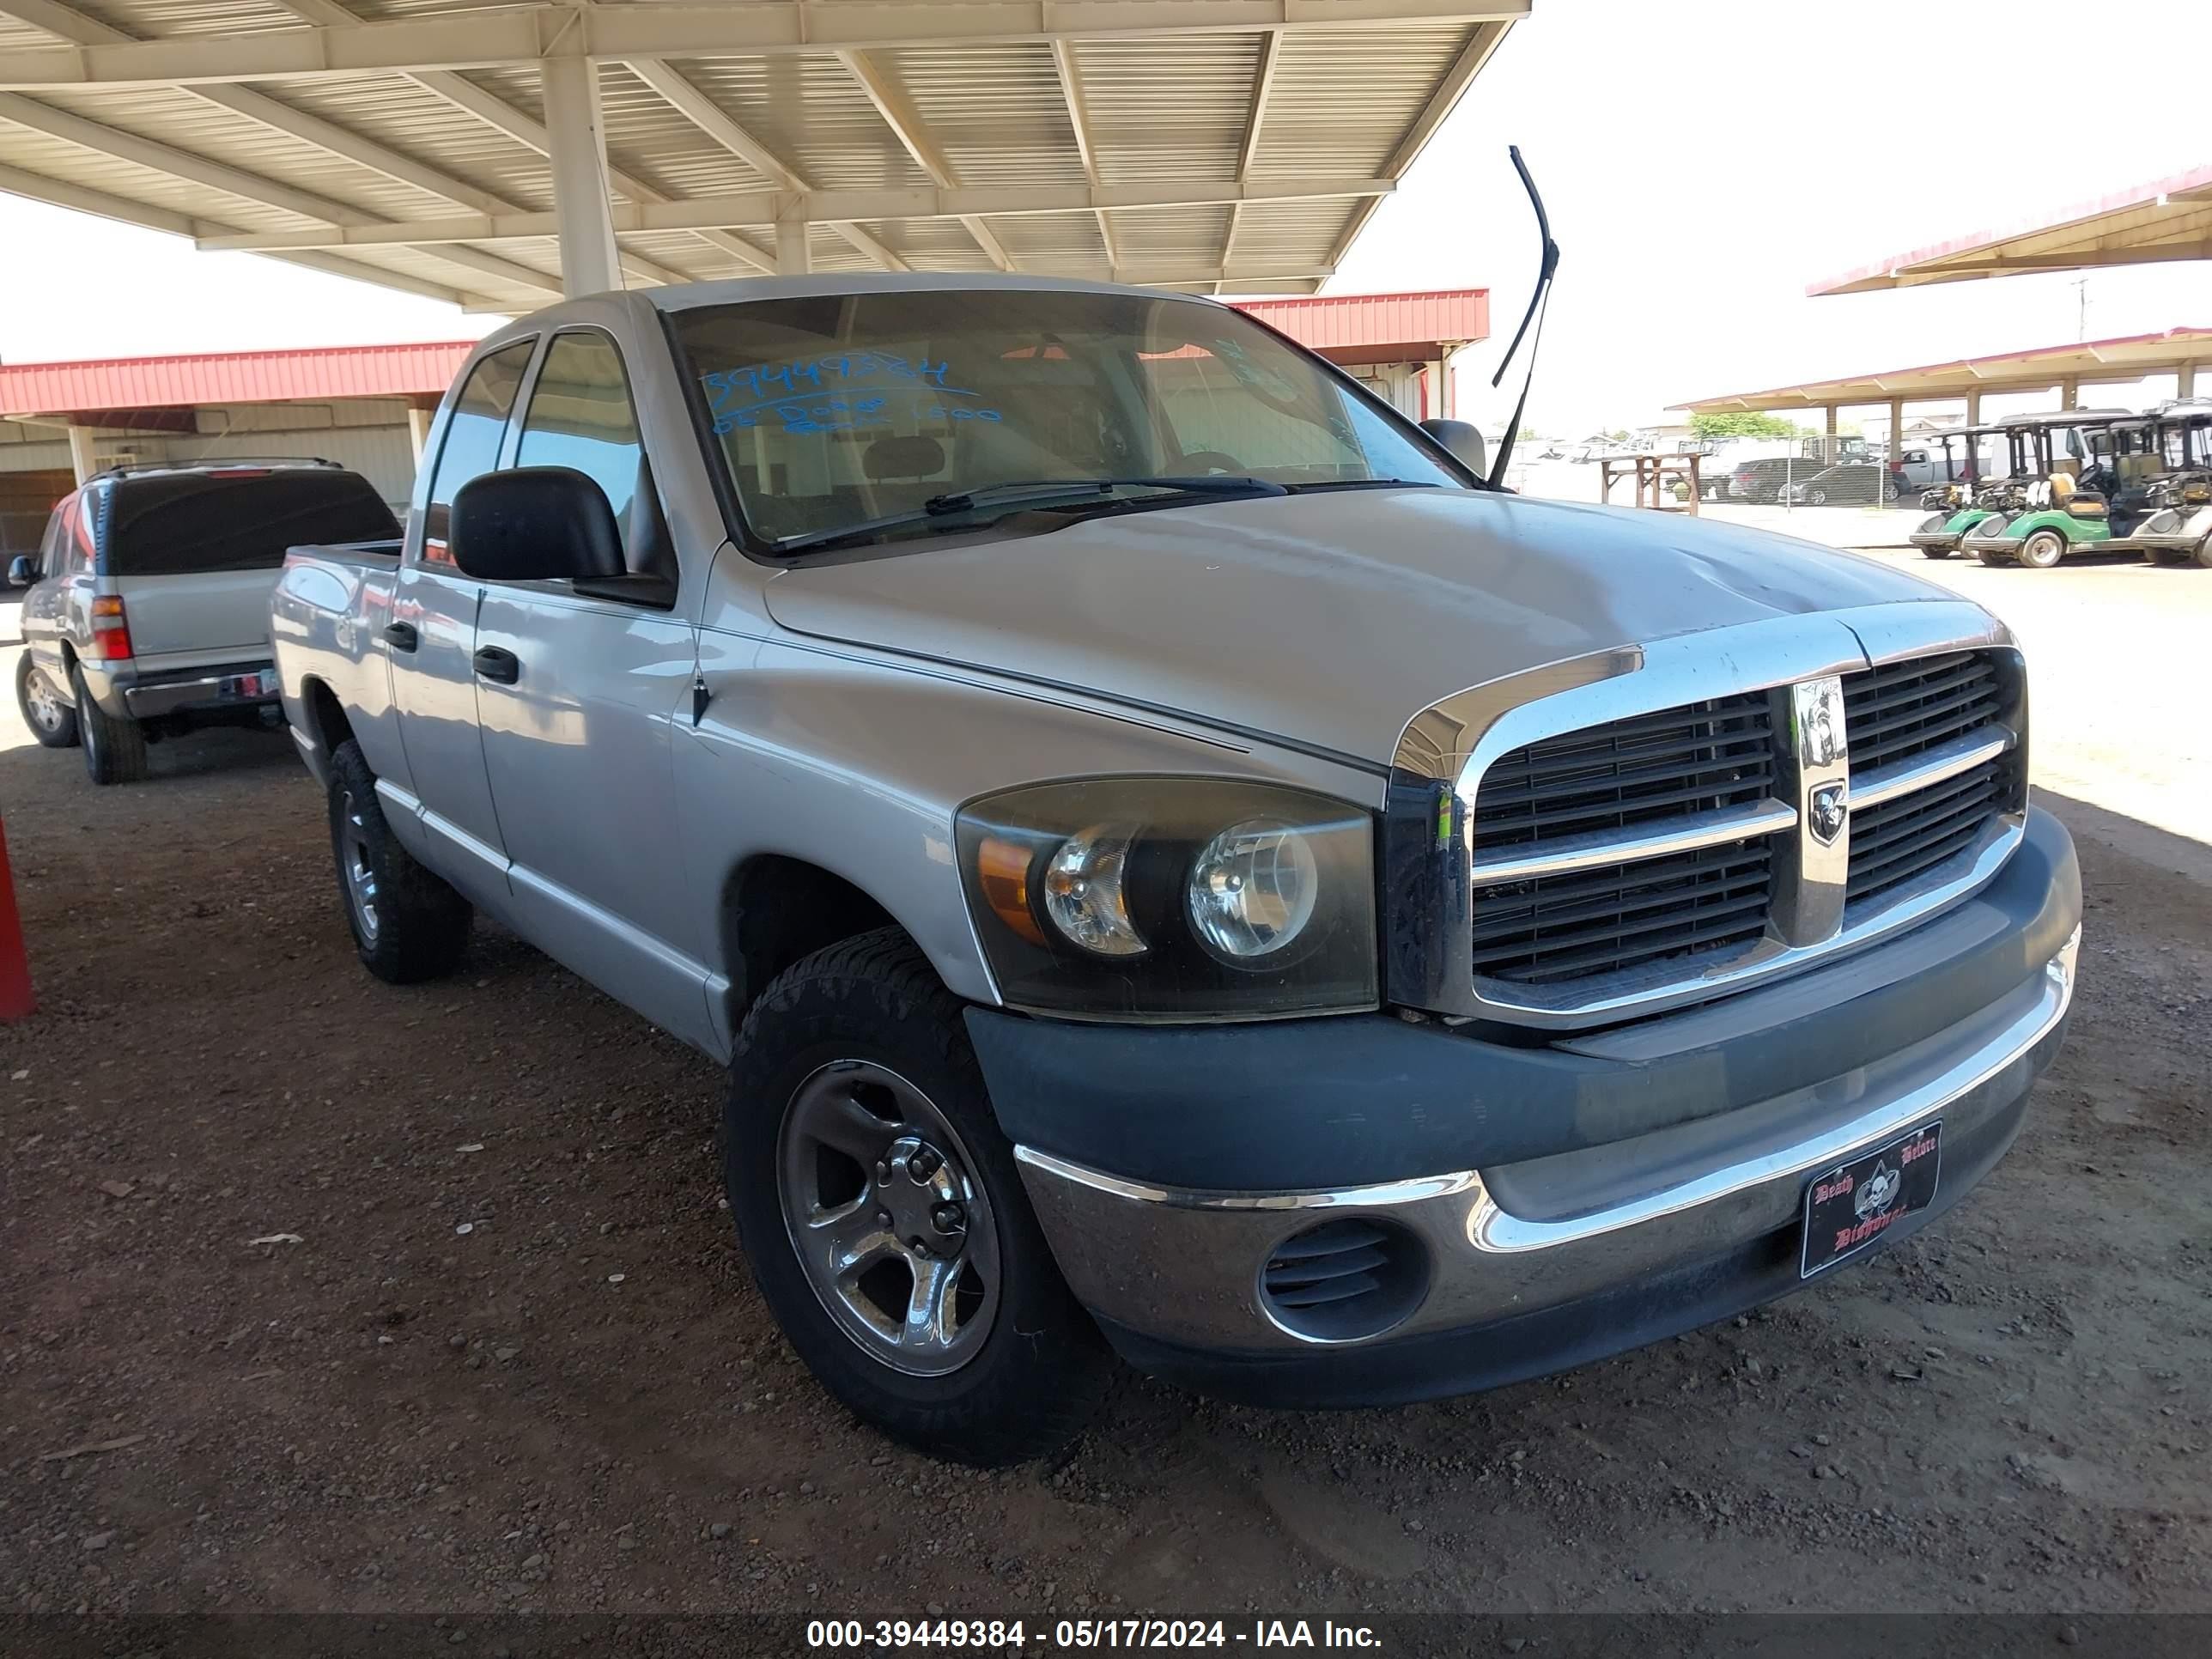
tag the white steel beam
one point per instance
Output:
(532, 34)
(583, 223)
(711, 119)
(1263, 87)
(59, 193)
(1079, 121)
(1457, 79)
(905, 123)
(765, 209)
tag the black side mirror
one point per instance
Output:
(22, 573)
(534, 524)
(1464, 443)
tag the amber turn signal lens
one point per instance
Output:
(1002, 875)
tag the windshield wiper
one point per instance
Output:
(1010, 495)
(965, 500)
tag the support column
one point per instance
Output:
(418, 429)
(1897, 428)
(2069, 394)
(589, 264)
(82, 460)
(2184, 380)
(1440, 396)
(1974, 406)
(792, 257)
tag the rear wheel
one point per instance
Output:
(2043, 549)
(407, 924)
(50, 714)
(883, 1219)
(114, 750)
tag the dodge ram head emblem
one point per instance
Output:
(1824, 809)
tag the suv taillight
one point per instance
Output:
(111, 629)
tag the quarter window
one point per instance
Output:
(473, 431)
(581, 415)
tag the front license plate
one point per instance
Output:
(1855, 1203)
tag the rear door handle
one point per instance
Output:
(493, 664)
(401, 636)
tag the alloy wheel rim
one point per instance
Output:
(45, 707)
(359, 866)
(892, 1228)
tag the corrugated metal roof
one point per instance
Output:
(198, 117)
(2165, 220)
(1408, 324)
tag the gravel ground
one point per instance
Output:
(320, 1295)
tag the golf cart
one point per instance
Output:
(2106, 490)
(2063, 491)
(1968, 494)
(2177, 527)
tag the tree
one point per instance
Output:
(1744, 425)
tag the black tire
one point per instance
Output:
(52, 720)
(411, 926)
(2044, 549)
(2203, 556)
(114, 750)
(1937, 552)
(1996, 557)
(1036, 1376)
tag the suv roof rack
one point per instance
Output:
(213, 463)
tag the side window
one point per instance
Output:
(472, 438)
(51, 555)
(581, 415)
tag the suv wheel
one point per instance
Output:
(50, 716)
(407, 924)
(882, 1216)
(114, 750)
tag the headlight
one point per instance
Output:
(1171, 898)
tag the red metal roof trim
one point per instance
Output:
(1349, 322)
(2133, 196)
(231, 377)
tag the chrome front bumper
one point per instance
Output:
(1181, 1267)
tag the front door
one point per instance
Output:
(431, 640)
(579, 694)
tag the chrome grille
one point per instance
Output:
(1905, 708)
(1630, 773)
(1610, 853)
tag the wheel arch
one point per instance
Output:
(776, 909)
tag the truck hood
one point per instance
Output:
(1328, 619)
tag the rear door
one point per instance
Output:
(579, 694)
(193, 556)
(431, 638)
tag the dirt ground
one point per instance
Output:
(504, 1354)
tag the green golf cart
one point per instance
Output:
(2124, 483)
(1968, 494)
(2065, 486)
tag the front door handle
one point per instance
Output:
(493, 664)
(401, 636)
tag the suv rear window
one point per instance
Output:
(185, 523)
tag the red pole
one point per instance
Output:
(16, 1000)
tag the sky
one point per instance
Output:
(1702, 161)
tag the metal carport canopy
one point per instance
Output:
(2169, 219)
(2128, 357)
(496, 157)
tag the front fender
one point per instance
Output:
(857, 762)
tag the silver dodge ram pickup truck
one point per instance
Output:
(1175, 864)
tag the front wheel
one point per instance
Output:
(50, 716)
(114, 750)
(883, 1219)
(1937, 552)
(407, 924)
(1996, 557)
(2043, 549)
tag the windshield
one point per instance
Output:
(833, 411)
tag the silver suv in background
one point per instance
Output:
(148, 609)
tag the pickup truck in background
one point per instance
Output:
(1174, 862)
(148, 610)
